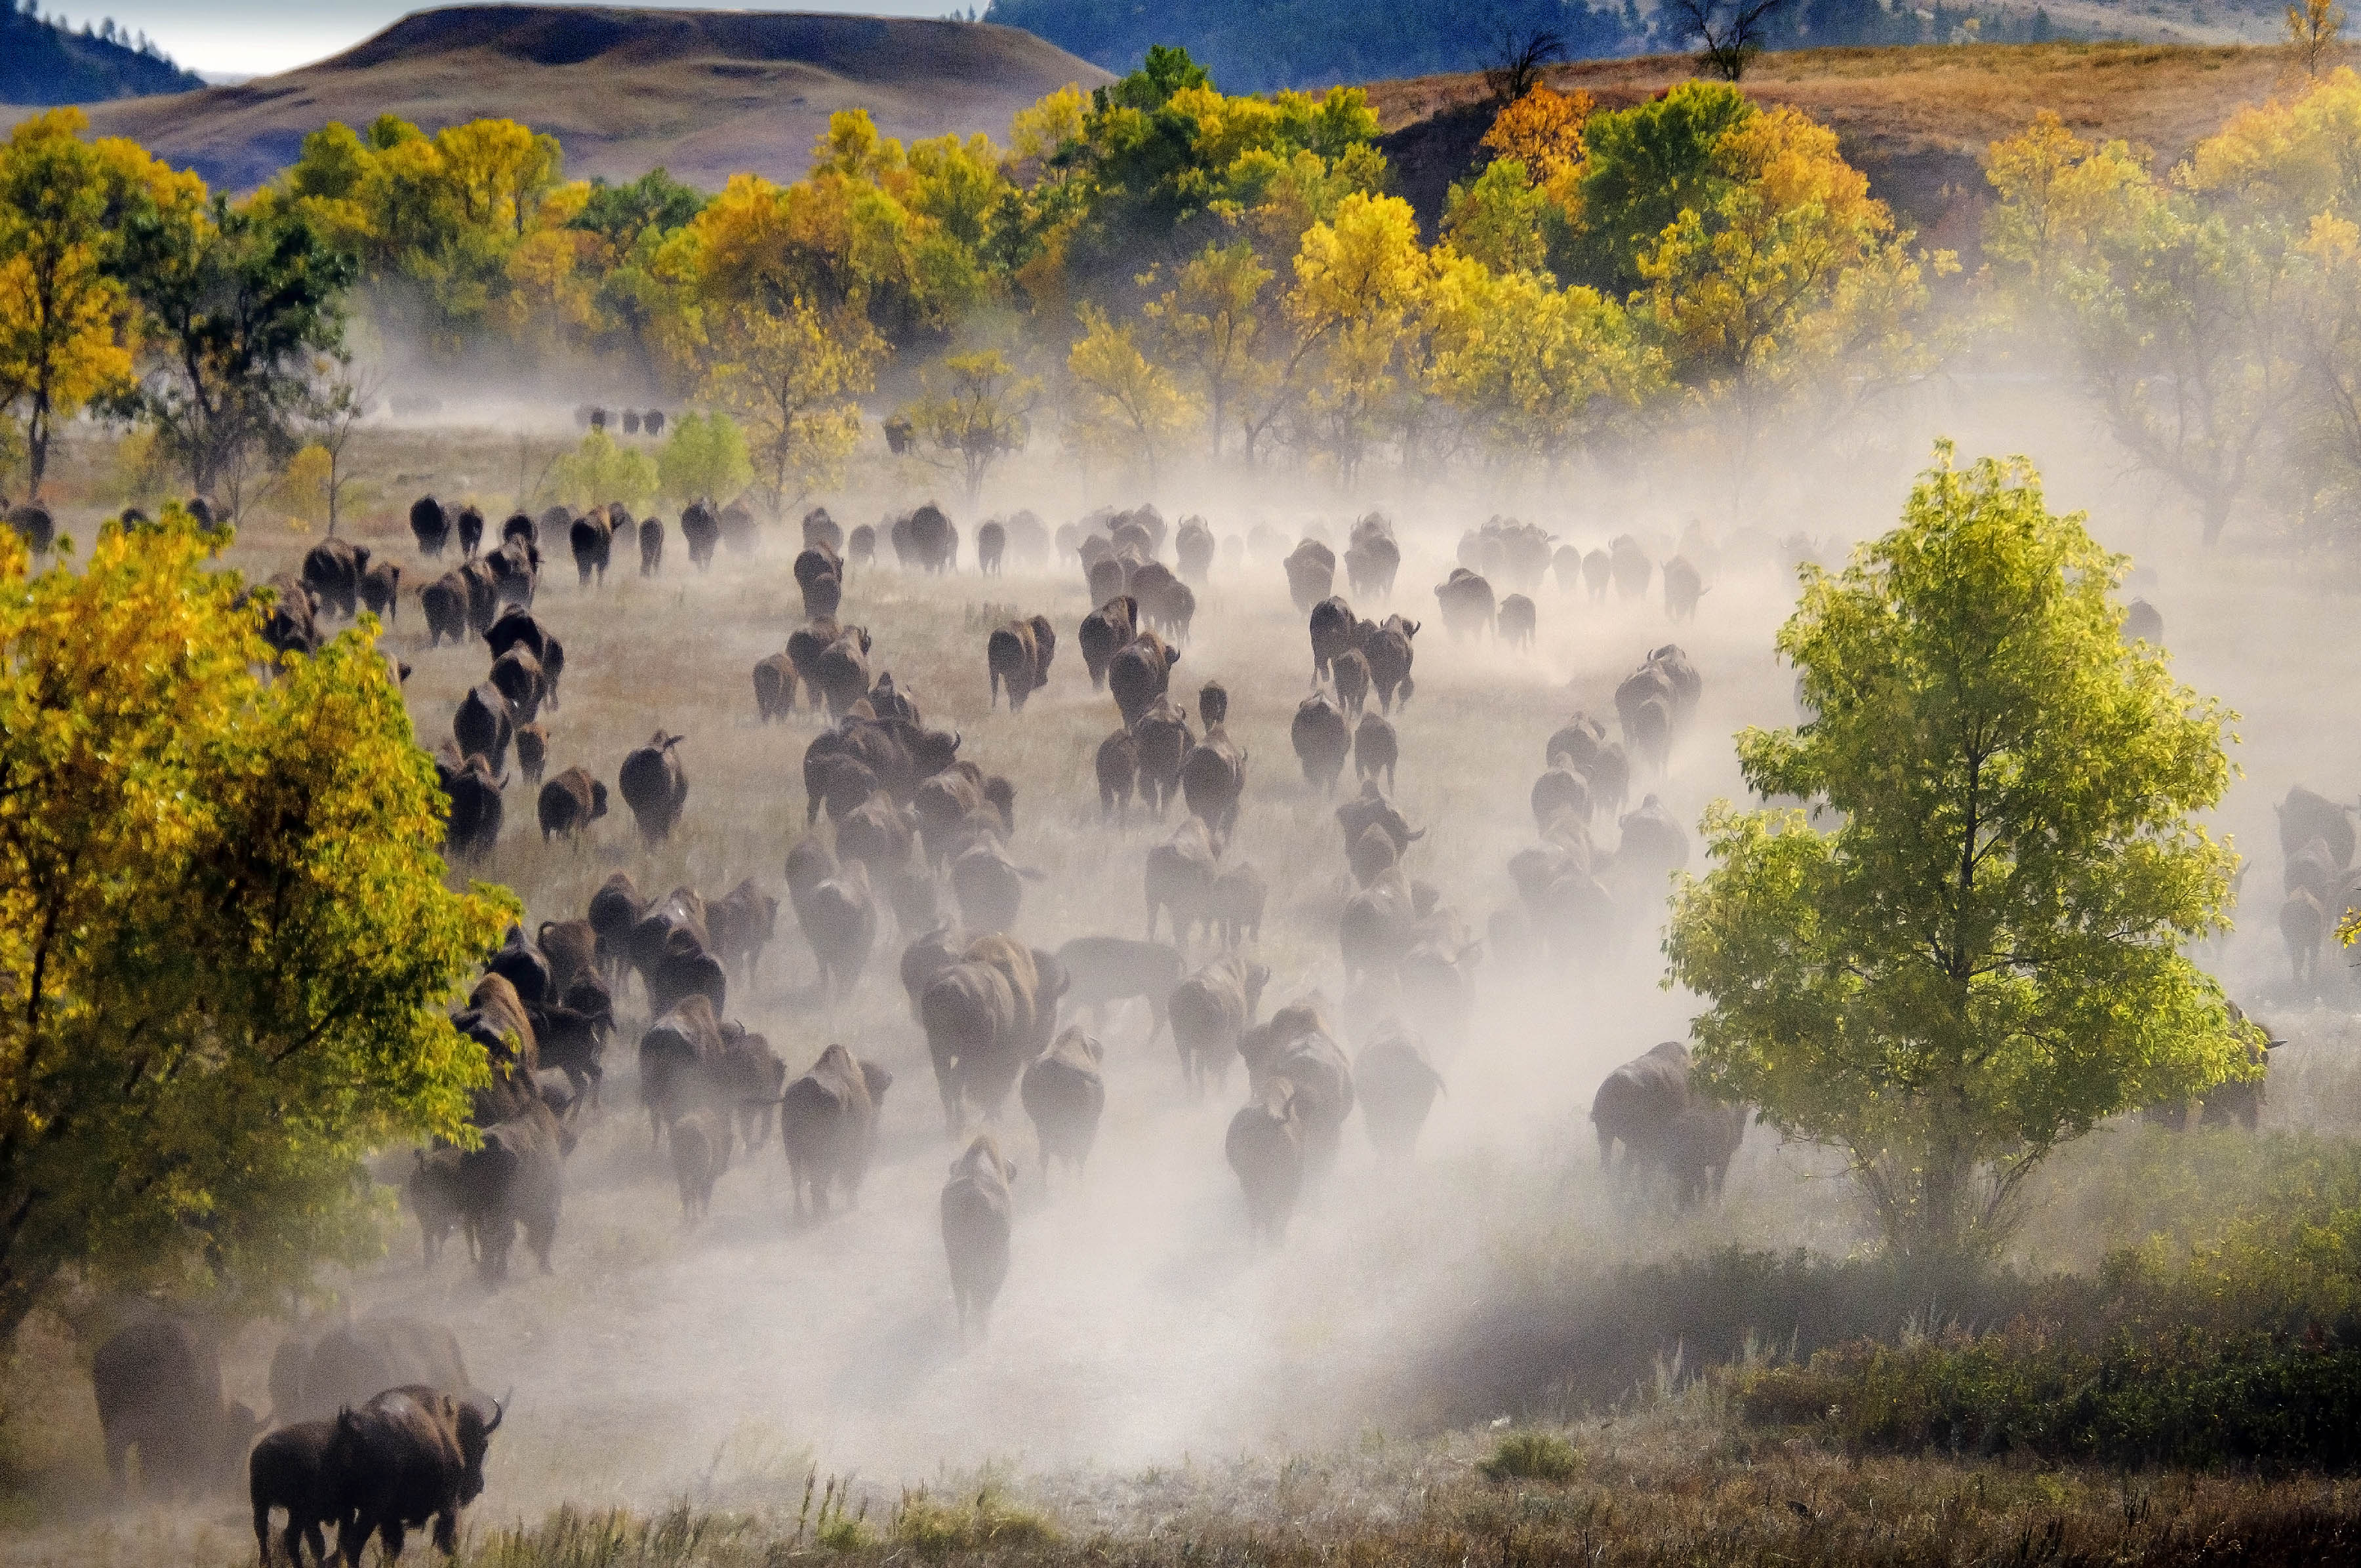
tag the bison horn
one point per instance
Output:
(955, 740)
(499, 1413)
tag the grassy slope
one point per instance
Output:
(706, 94)
(1917, 119)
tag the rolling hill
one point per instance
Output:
(43, 62)
(706, 94)
(1916, 121)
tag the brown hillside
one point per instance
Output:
(706, 94)
(1917, 120)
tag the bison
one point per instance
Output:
(159, 1390)
(1209, 1011)
(1321, 742)
(1064, 1094)
(655, 787)
(977, 1208)
(408, 1456)
(828, 1122)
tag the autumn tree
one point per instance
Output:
(241, 305)
(1536, 369)
(1499, 218)
(1642, 168)
(793, 376)
(976, 409)
(1125, 407)
(1981, 957)
(225, 938)
(2174, 301)
(1541, 129)
(65, 322)
(1208, 324)
(2312, 29)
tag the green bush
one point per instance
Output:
(1531, 1457)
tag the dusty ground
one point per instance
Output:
(725, 1363)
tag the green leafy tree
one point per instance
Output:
(1642, 168)
(242, 306)
(1983, 958)
(1127, 409)
(226, 944)
(1498, 219)
(599, 471)
(704, 456)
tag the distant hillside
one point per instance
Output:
(1916, 121)
(706, 94)
(1257, 45)
(42, 62)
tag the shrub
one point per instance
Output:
(1531, 1457)
(933, 1529)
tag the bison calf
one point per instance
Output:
(288, 1470)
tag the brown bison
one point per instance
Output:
(1105, 631)
(655, 787)
(1064, 1094)
(1311, 575)
(1140, 674)
(408, 1456)
(1209, 1011)
(1264, 1147)
(977, 1208)
(828, 1122)
(1397, 1089)
(1322, 742)
(1388, 649)
(1213, 780)
(1179, 880)
(159, 1388)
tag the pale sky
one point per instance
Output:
(257, 38)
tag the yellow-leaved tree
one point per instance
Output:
(794, 376)
(226, 940)
(976, 409)
(65, 323)
(1127, 410)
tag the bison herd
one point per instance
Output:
(908, 837)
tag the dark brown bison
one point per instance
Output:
(1388, 649)
(1012, 659)
(1117, 764)
(1311, 575)
(381, 591)
(991, 544)
(1179, 880)
(1372, 558)
(513, 1180)
(1466, 602)
(933, 541)
(1322, 742)
(1517, 621)
(408, 1456)
(652, 542)
(700, 529)
(592, 539)
(840, 920)
(774, 688)
(291, 623)
(1162, 741)
(840, 672)
(516, 675)
(1105, 631)
(1193, 547)
(532, 753)
(1064, 1095)
(1140, 675)
(1333, 629)
(444, 604)
(680, 1057)
(333, 570)
(1209, 1011)
(1213, 780)
(1294, 1047)
(700, 1153)
(471, 826)
(1639, 1101)
(159, 1388)
(655, 787)
(1265, 1147)
(1349, 675)
(828, 1122)
(430, 525)
(985, 1017)
(485, 726)
(288, 1470)
(615, 909)
(740, 923)
(977, 1210)
(1376, 749)
(819, 572)
(989, 885)
(736, 521)
(861, 546)
(1213, 705)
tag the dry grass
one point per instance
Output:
(1931, 99)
